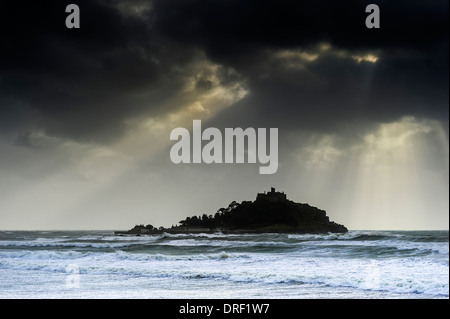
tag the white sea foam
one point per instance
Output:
(374, 264)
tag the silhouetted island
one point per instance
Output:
(271, 212)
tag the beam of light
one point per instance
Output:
(399, 181)
(396, 177)
(89, 170)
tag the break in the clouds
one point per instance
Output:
(85, 114)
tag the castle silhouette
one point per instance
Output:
(272, 196)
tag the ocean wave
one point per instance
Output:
(328, 236)
(68, 244)
(361, 261)
(407, 275)
(95, 245)
(40, 256)
(211, 243)
(121, 238)
(351, 236)
(352, 244)
(43, 254)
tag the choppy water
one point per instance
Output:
(359, 264)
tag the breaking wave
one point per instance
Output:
(409, 264)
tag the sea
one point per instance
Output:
(99, 264)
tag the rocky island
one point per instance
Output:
(271, 212)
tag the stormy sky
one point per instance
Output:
(86, 114)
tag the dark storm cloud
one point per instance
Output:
(82, 84)
(233, 29)
(410, 78)
(334, 91)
